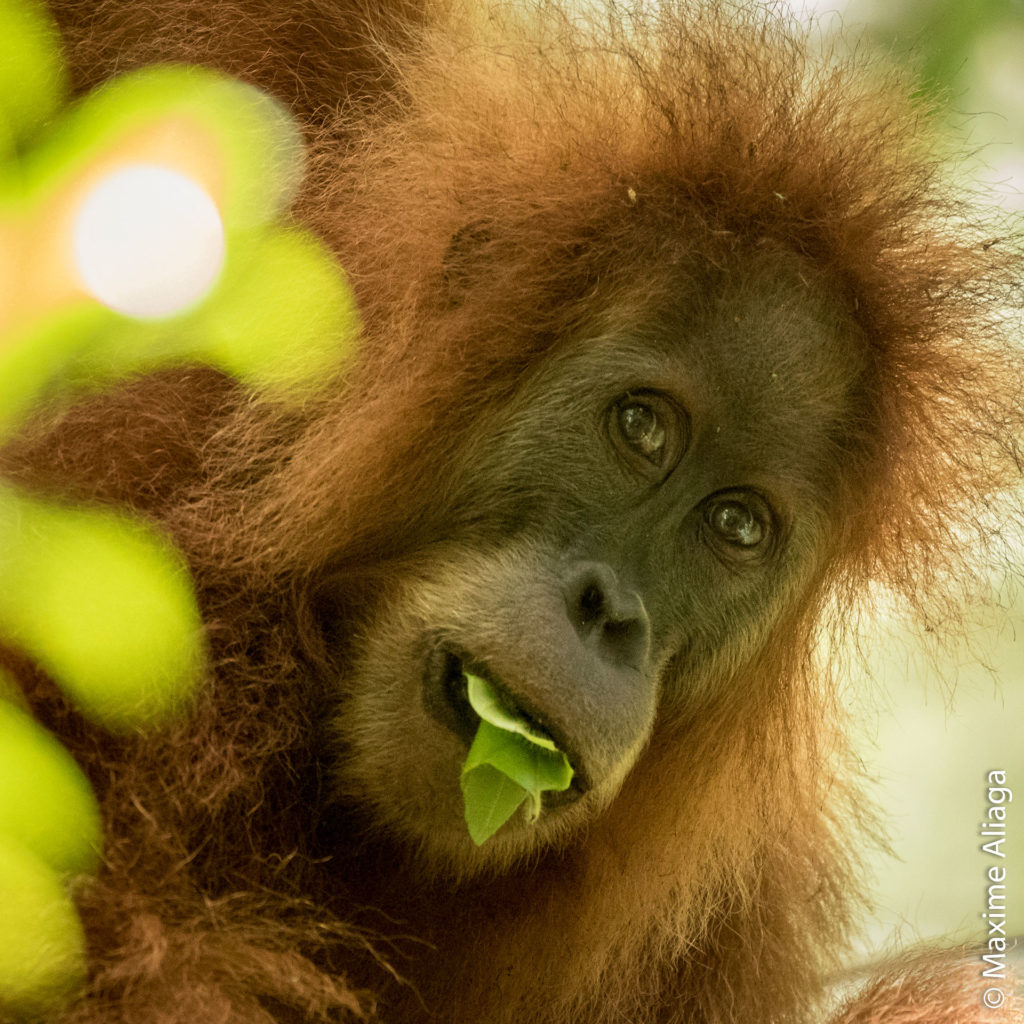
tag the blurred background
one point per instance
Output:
(935, 725)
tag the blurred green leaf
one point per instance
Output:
(104, 603)
(32, 78)
(42, 947)
(46, 803)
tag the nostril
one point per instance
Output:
(619, 630)
(624, 641)
(591, 604)
(606, 617)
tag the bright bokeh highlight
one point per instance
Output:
(144, 234)
(148, 241)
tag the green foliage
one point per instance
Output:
(938, 37)
(46, 803)
(104, 603)
(99, 599)
(32, 80)
(33, 356)
(281, 318)
(42, 948)
(49, 832)
(509, 764)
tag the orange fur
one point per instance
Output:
(608, 158)
(933, 985)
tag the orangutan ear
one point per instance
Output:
(468, 248)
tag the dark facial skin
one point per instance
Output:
(655, 493)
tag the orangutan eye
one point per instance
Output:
(736, 524)
(649, 431)
(742, 520)
(642, 430)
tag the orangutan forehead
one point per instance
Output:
(780, 373)
(770, 341)
(766, 334)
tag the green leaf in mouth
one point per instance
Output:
(509, 764)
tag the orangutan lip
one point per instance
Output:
(446, 700)
(444, 693)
